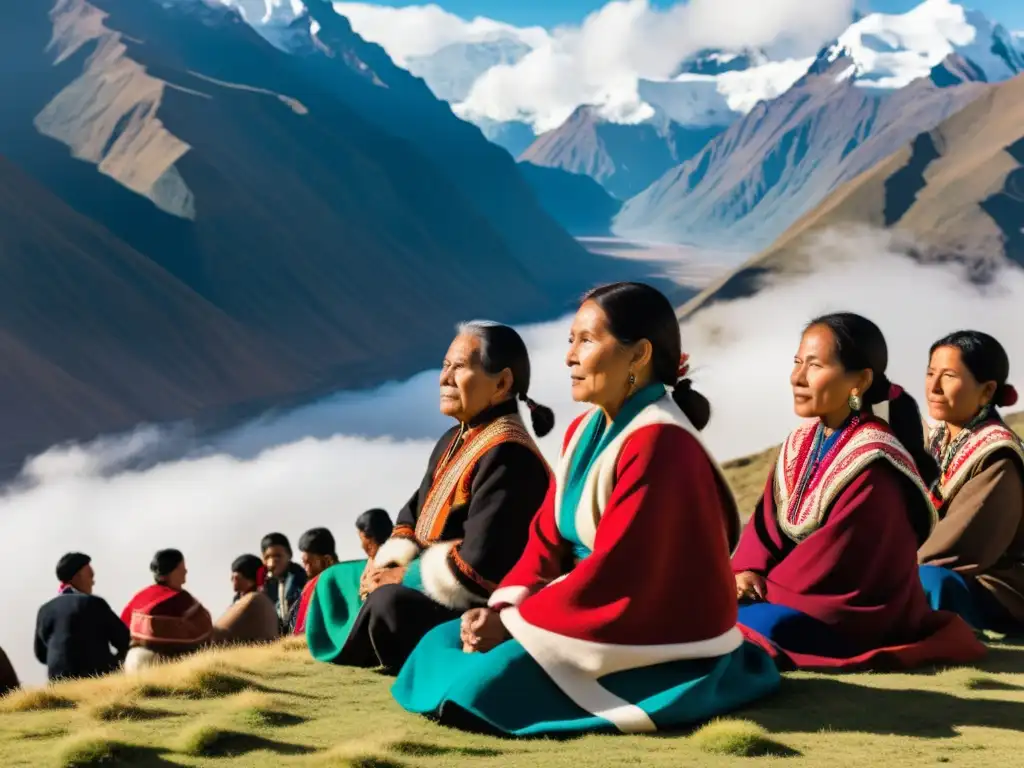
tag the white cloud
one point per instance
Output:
(324, 464)
(600, 61)
(420, 30)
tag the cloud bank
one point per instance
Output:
(326, 463)
(419, 30)
(600, 60)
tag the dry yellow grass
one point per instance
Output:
(273, 704)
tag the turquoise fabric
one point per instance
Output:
(592, 442)
(333, 609)
(505, 690)
(413, 578)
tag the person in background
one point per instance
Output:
(285, 578)
(76, 630)
(620, 614)
(374, 528)
(973, 562)
(466, 524)
(826, 570)
(318, 555)
(251, 617)
(8, 677)
(165, 620)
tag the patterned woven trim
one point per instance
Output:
(469, 571)
(433, 516)
(982, 442)
(865, 443)
(403, 531)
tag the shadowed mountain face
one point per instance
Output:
(361, 75)
(955, 192)
(624, 159)
(265, 239)
(577, 202)
(755, 179)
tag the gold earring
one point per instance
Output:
(855, 402)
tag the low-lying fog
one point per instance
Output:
(325, 463)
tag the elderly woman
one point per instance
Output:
(466, 524)
(620, 615)
(251, 617)
(164, 619)
(827, 567)
(973, 562)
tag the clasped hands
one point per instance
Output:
(482, 630)
(374, 577)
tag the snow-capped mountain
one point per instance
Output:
(451, 71)
(885, 79)
(890, 51)
(712, 61)
(696, 97)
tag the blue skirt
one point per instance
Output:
(796, 631)
(949, 591)
(505, 691)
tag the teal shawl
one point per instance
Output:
(596, 436)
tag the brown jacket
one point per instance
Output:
(981, 533)
(252, 619)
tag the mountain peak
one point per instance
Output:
(890, 51)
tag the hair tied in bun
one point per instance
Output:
(1007, 396)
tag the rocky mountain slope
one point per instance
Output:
(862, 98)
(324, 49)
(266, 240)
(624, 159)
(954, 192)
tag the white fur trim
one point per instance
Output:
(600, 483)
(576, 666)
(508, 596)
(440, 583)
(396, 551)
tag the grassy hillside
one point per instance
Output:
(253, 706)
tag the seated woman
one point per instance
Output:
(599, 627)
(826, 566)
(164, 620)
(285, 578)
(317, 548)
(465, 526)
(251, 617)
(973, 562)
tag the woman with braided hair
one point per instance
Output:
(620, 616)
(826, 571)
(463, 528)
(973, 562)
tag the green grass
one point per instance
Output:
(300, 713)
(274, 705)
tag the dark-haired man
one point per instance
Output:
(284, 579)
(76, 630)
(318, 554)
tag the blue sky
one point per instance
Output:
(549, 13)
